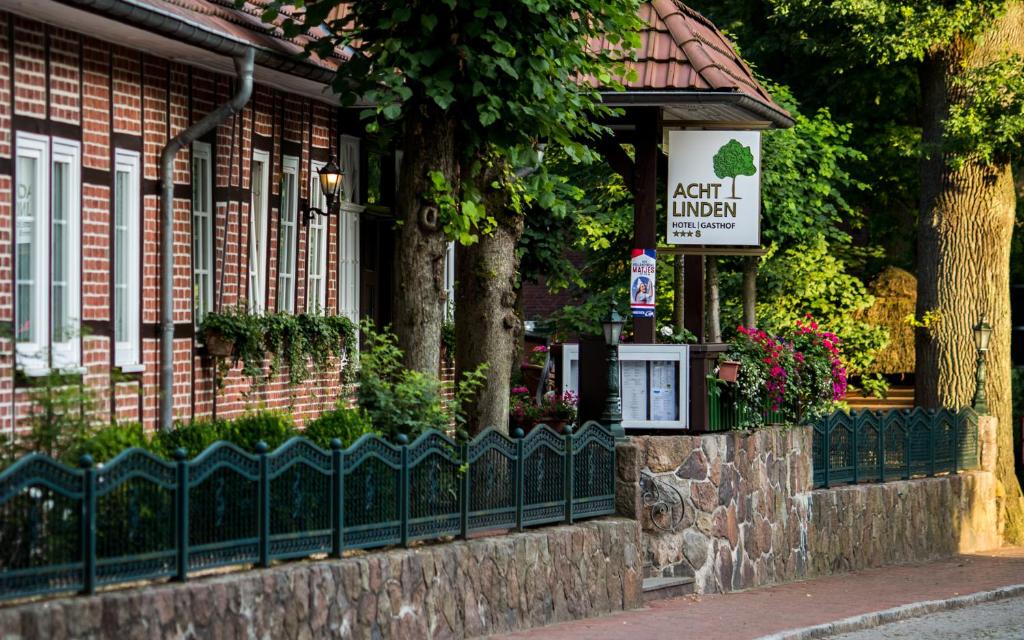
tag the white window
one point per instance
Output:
(286, 245)
(449, 282)
(316, 265)
(348, 231)
(30, 261)
(65, 234)
(127, 238)
(260, 181)
(202, 230)
(46, 264)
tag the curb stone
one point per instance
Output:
(904, 612)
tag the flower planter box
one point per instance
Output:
(728, 371)
(218, 344)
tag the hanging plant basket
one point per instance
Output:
(219, 345)
(728, 371)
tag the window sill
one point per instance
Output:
(131, 368)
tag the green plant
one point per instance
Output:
(875, 385)
(193, 437)
(344, 423)
(306, 343)
(106, 442)
(271, 427)
(670, 335)
(60, 418)
(397, 400)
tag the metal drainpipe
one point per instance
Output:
(244, 69)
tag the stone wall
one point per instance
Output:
(459, 589)
(745, 500)
(751, 516)
(870, 525)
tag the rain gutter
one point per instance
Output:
(244, 68)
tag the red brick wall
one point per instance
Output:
(105, 95)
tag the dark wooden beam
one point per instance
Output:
(645, 199)
(693, 295)
(620, 162)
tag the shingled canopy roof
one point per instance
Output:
(685, 65)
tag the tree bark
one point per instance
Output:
(964, 232)
(487, 325)
(749, 292)
(714, 308)
(678, 293)
(419, 296)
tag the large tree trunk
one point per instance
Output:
(749, 292)
(419, 296)
(964, 231)
(487, 326)
(714, 308)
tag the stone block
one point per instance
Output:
(628, 460)
(666, 453)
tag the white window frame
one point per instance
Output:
(202, 229)
(289, 219)
(348, 230)
(258, 216)
(316, 272)
(128, 352)
(66, 354)
(31, 355)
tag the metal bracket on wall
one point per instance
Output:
(662, 500)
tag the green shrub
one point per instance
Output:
(272, 427)
(343, 423)
(106, 442)
(193, 437)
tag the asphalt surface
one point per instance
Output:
(1000, 620)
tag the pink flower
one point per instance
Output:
(520, 390)
(540, 349)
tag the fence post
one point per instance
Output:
(931, 443)
(568, 474)
(403, 491)
(855, 454)
(181, 514)
(826, 447)
(881, 446)
(519, 435)
(264, 508)
(338, 494)
(464, 489)
(906, 448)
(88, 524)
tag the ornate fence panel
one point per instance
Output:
(299, 474)
(870, 446)
(545, 481)
(139, 517)
(494, 484)
(43, 527)
(372, 502)
(593, 452)
(135, 496)
(223, 508)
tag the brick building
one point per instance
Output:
(90, 93)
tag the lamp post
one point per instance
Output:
(612, 415)
(982, 335)
(330, 177)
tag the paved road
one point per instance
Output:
(1001, 620)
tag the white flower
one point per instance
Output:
(666, 331)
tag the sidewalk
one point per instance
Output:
(759, 612)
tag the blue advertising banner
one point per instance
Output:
(641, 283)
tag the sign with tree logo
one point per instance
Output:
(714, 188)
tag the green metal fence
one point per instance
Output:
(726, 411)
(877, 446)
(140, 517)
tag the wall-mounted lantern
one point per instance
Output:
(331, 179)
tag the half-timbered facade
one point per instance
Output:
(88, 100)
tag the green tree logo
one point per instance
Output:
(733, 160)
